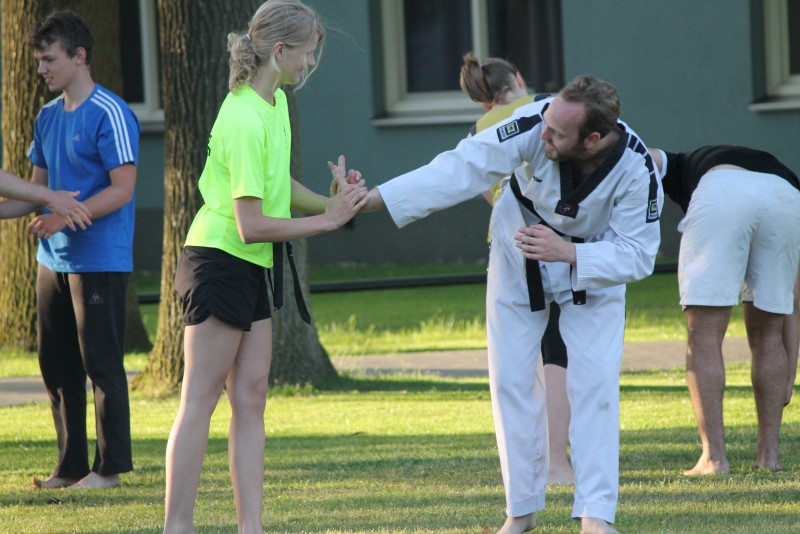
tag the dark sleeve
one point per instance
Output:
(673, 183)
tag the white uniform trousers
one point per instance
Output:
(593, 334)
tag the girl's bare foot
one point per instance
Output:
(518, 525)
(594, 525)
(53, 482)
(560, 475)
(96, 481)
(707, 466)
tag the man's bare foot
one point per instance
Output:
(95, 481)
(594, 525)
(706, 466)
(518, 525)
(53, 482)
(560, 475)
(767, 455)
(772, 466)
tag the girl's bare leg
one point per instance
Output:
(247, 393)
(210, 348)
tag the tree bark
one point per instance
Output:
(298, 356)
(24, 93)
(194, 81)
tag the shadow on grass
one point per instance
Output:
(432, 382)
(395, 382)
(433, 482)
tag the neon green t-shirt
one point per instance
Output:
(248, 156)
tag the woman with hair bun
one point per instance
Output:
(247, 193)
(498, 85)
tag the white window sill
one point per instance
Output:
(426, 120)
(151, 121)
(782, 104)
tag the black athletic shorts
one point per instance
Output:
(212, 282)
(554, 352)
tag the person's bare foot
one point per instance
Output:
(560, 475)
(767, 456)
(771, 466)
(95, 481)
(594, 525)
(53, 482)
(707, 466)
(518, 525)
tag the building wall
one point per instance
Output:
(147, 237)
(686, 72)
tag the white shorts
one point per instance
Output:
(741, 227)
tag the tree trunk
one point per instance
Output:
(298, 357)
(24, 93)
(194, 81)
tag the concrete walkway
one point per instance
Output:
(637, 356)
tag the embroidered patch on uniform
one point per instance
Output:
(566, 209)
(96, 298)
(507, 131)
(652, 211)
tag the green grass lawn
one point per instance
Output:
(412, 454)
(387, 321)
(453, 317)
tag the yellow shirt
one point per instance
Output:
(249, 151)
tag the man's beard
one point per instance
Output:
(575, 152)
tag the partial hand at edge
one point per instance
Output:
(44, 226)
(63, 204)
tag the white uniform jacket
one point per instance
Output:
(615, 210)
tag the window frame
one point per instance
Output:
(781, 86)
(149, 112)
(429, 107)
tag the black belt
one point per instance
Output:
(532, 273)
(277, 286)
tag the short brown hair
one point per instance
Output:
(600, 100)
(67, 27)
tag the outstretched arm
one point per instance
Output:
(305, 200)
(27, 196)
(254, 227)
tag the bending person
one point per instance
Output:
(248, 193)
(579, 224)
(739, 203)
(498, 85)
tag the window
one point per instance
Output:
(424, 42)
(140, 61)
(782, 46)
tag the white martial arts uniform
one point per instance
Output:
(618, 220)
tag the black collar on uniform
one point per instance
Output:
(572, 196)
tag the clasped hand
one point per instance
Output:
(348, 192)
(538, 242)
(44, 226)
